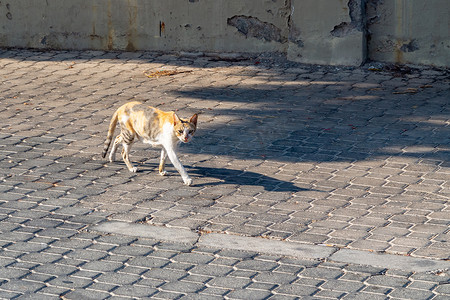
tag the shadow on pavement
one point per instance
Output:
(239, 177)
(224, 175)
(324, 124)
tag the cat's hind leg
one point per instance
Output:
(162, 162)
(125, 155)
(127, 141)
(117, 141)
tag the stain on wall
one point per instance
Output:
(409, 31)
(253, 27)
(410, 47)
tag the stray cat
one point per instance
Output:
(153, 126)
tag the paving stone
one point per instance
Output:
(145, 262)
(131, 250)
(322, 273)
(117, 278)
(103, 266)
(211, 270)
(202, 297)
(296, 290)
(197, 278)
(215, 291)
(256, 265)
(342, 285)
(275, 277)
(194, 258)
(70, 282)
(38, 277)
(165, 274)
(248, 294)
(411, 293)
(10, 273)
(40, 257)
(87, 255)
(229, 282)
(101, 286)
(86, 294)
(53, 291)
(135, 291)
(27, 247)
(182, 287)
(22, 286)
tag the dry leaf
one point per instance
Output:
(161, 73)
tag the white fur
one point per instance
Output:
(169, 141)
(125, 118)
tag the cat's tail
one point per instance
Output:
(109, 136)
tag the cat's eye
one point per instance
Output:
(180, 131)
(191, 131)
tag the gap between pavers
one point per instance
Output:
(274, 247)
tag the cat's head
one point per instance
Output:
(184, 129)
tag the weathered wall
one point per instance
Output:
(189, 25)
(409, 31)
(310, 31)
(327, 32)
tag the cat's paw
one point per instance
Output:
(133, 170)
(112, 158)
(162, 173)
(188, 181)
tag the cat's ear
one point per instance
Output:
(176, 119)
(193, 119)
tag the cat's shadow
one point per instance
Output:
(225, 176)
(239, 177)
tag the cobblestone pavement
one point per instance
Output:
(344, 157)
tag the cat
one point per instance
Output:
(153, 126)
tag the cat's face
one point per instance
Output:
(185, 129)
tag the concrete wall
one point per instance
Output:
(409, 31)
(188, 25)
(327, 32)
(310, 31)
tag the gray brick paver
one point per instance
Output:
(211, 270)
(182, 287)
(86, 294)
(135, 291)
(280, 152)
(411, 294)
(248, 294)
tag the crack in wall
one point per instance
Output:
(294, 35)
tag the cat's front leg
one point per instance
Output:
(188, 181)
(177, 164)
(162, 162)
